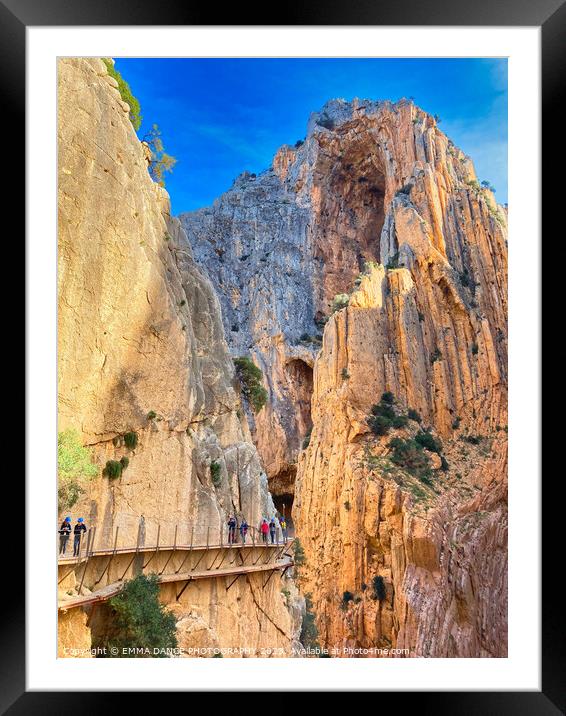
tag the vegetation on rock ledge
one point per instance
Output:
(215, 473)
(410, 455)
(309, 632)
(74, 468)
(340, 301)
(161, 162)
(125, 94)
(140, 621)
(113, 469)
(250, 377)
(384, 416)
(378, 585)
(131, 440)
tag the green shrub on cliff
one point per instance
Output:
(378, 585)
(125, 94)
(400, 421)
(139, 621)
(382, 415)
(160, 162)
(74, 468)
(298, 553)
(131, 440)
(250, 377)
(215, 473)
(384, 409)
(347, 597)
(340, 301)
(409, 455)
(413, 415)
(379, 424)
(113, 469)
(427, 440)
(309, 632)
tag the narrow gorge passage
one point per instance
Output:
(298, 426)
(323, 344)
(299, 376)
(284, 505)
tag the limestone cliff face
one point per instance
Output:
(431, 329)
(142, 349)
(253, 243)
(281, 245)
(440, 548)
(377, 203)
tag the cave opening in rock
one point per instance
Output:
(351, 215)
(284, 506)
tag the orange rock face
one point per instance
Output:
(377, 210)
(428, 323)
(373, 181)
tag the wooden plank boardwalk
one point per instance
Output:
(108, 551)
(283, 561)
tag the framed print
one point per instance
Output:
(283, 368)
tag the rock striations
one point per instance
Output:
(141, 350)
(368, 260)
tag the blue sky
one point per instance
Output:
(220, 117)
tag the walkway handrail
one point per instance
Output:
(216, 537)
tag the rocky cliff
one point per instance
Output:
(141, 351)
(367, 260)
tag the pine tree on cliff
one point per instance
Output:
(160, 162)
(140, 621)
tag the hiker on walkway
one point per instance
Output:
(264, 529)
(283, 524)
(243, 530)
(232, 529)
(80, 527)
(272, 530)
(64, 532)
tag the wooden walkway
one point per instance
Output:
(108, 551)
(282, 562)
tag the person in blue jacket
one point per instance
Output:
(64, 532)
(80, 527)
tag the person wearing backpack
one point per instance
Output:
(243, 530)
(80, 527)
(272, 530)
(64, 532)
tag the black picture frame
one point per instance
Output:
(550, 15)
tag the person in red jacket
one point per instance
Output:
(264, 528)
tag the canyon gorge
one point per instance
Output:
(365, 274)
